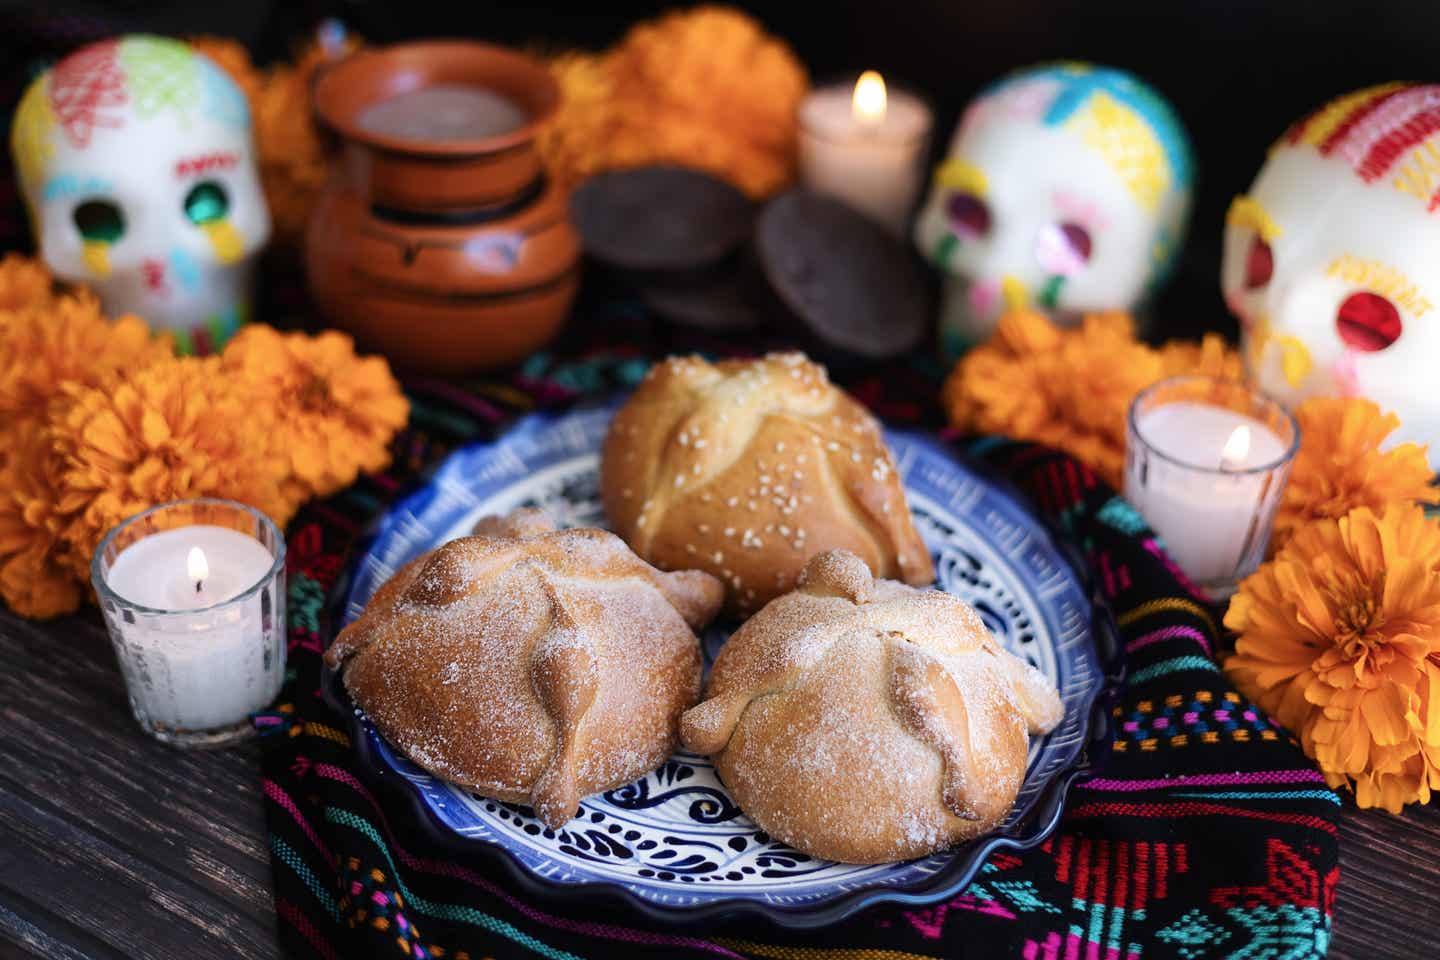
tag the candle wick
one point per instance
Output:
(198, 585)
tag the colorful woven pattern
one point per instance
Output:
(1207, 833)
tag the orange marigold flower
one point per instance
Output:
(1211, 357)
(69, 341)
(177, 429)
(37, 574)
(1339, 638)
(1340, 465)
(335, 412)
(1069, 389)
(706, 88)
(24, 282)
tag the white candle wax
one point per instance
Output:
(1203, 505)
(155, 571)
(211, 670)
(868, 158)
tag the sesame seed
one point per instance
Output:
(699, 444)
(750, 504)
(784, 530)
(718, 557)
(679, 480)
(779, 446)
(684, 439)
(689, 548)
(729, 531)
(704, 528)
(764, 478)
(627, 493)
(800, 458)
(832, 446)
(855, 456)
(695, 468)
(732, 501)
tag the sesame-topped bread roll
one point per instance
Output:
(747, 468)
(529, 664)
(862, 720)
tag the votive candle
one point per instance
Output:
(1206, 462)
(864, 144)
(193, 593)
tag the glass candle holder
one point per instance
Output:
(193, 593)
(1206, 461)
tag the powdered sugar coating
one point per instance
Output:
(863, 720)
(528, 665)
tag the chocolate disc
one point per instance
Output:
(660, 218)
(853, 285)
(727, 296)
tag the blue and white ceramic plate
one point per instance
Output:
(673, 843)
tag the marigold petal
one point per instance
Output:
(1385, 711)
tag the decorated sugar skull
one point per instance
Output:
(1332, 260)
(1066, 187)
(136, 162)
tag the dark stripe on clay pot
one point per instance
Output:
(461, 218)
(402, 291)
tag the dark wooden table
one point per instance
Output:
(112, 845)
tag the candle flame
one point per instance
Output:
(868, 102)
(1237, 446)
(197, 566)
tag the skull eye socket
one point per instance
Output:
(1259, 264)
(206, 202)
(1367, 321)
(1063, 248)
(99, 221)
(969, 216)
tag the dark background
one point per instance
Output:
(1238, 72)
